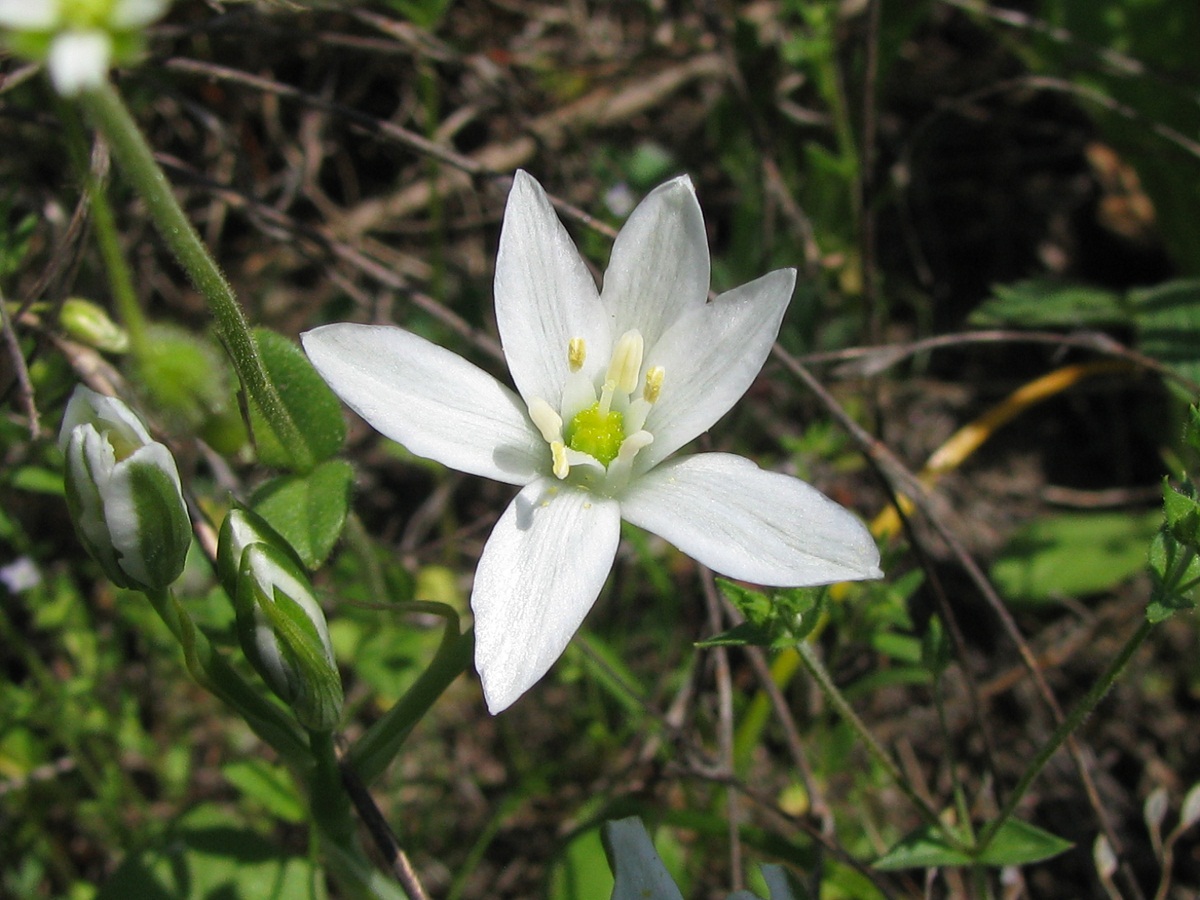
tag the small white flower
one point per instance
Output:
(78, 39)
(610, 384)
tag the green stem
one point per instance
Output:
(375, 750)
(817, 670)
(330, 803)
(114, 121)
(1081, 711)
(212, 672)
(119, 277)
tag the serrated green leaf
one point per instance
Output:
(754, 605)
(1045, 303)
(1073, 555)
(308, 511)
(1168, 324)
(1182, 512)
(314, 408)
(1172, 566)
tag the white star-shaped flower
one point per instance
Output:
(78, 39)
(609, 384)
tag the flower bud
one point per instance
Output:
(90, 324)
(123, 492)
(280, 625)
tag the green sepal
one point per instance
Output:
(307, 399)
(165, 531)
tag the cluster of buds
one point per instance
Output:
(123, 492)
(78, 39)
(280, 625)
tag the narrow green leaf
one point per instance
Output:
(638, 872)
(314, 408)
(308, 510)
(269, 785)
(1018, 843)
(1015, 844)
(924, 848)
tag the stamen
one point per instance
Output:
(576, 353)
(621, 468)
(548, 422)
(654, 382)
(626, 363)
(558, 452)
(606, 396)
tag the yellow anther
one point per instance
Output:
(548, 422)
(558, 451)
(576, 353)
(626, 363)
(654, 381)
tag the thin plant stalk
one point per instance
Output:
(111, 117)
(1080, 712)
(808, 656)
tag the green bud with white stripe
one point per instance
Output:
(123, 493)
(280, 625)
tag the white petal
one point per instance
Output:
(432, 401)
(78, 60)
(747, 523)
(121, 509)
(544, 296)
(540, 573)
(130, 14)
(29, 15)
(710, 358)
(659, 265)
(107, 414)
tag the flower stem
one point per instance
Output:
(808, 656)
(1081, 711)
(374, 751)
(111, 117)
(119, 278)
(212, 672)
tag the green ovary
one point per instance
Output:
(595, 433)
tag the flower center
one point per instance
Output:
(603, 429)
(595, 433)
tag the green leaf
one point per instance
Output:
(1016, 843)
(746, 634)
(308, 511)
(638, 872)
(314, 408)
(1182, 512)
(1175, 570)
(1073, 555)
(924, 848)
(1045, 303)
(209, 856)
(267, 784)
(1168, 324)
(581, 872)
